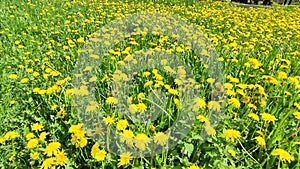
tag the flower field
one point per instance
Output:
(63, 102)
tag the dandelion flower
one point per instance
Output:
(122, 124)
(200, 102)
(253, 116)
(194, 167)
(100, 155)
(43, 136)
(80, 40)
(133, 108)
(283, 155)
(148, 83)
(29, 136)
(235, 102)
(146, 74)
(13, 76)
(231, 134)
(210, 130)
(52, 148)
(214, 105)
(124, 158)
(111, 100)
(24, 80)
(34, 155)
(61, 157)
(12, 102)
(10, 135)
(36, 127)
(161, 138)
(109, 120)
(297, 115)
(141, 141)
(127, 137)
(47, 163)
(231, 152)
(32, 143)
(268, 117)
(261, 141)
(202, 118)
(141, 107)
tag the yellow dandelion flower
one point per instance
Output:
(60, 157)
(148, 83)
(179, 49)
(80, 40)
(282, 75)
(231, 134)
(202, 118)
(42, 136)
(12, 102)
(35, 74)
(253, 116)
(36, 127)
(230, 93)
(2, 140)
(124, 159)
(12, 157)
(127, 137)
(100, 155)
(47, 163)
(69, 92)
(200, 102)
(214, 105)
(122, 124)
(194, 167)
(141, 107)
(231, 152)
(133, 108)
(109, 120)
(270, 79)
(254, 63)
(141, 140)
(52, 148)
(10, 135)
(268, 117)
(92, 106)
(95, 149)
(34, 155)
(297, 115)
(252, 106)
(261, 141)
(140, 96)
(283, 155)
(75, 128)
(53, 107)
(235, 102)
(210, 130)
(82, 142)
(29, 136)
(111, 100)
(13, 76)
(161, 138)
(146, 74)
(210, 80)
(32, 143)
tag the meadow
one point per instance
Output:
(44, 86)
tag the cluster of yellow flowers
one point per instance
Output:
(259, 48)
(78, 135)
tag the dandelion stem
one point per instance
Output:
(248, 152)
